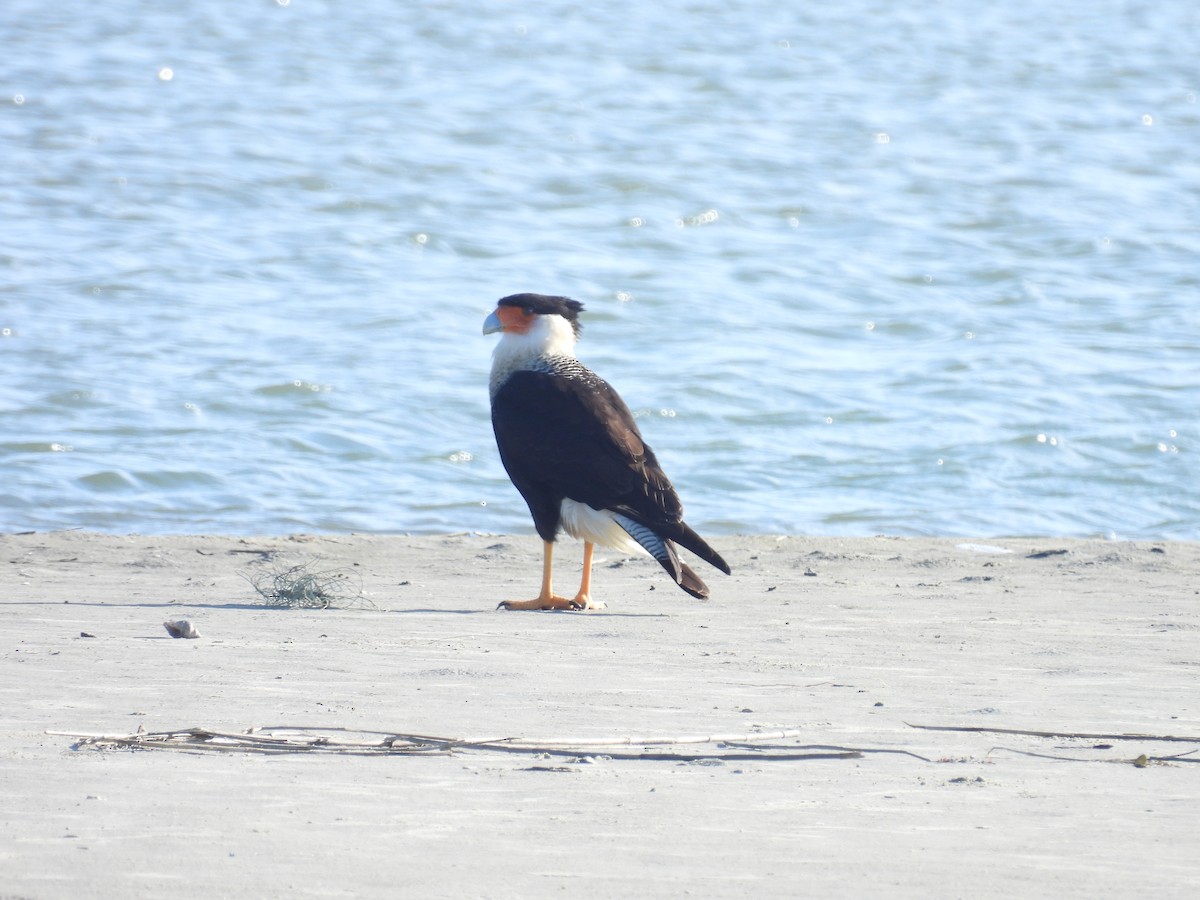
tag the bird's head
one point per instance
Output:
(547, 325)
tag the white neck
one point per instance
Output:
(548, 336)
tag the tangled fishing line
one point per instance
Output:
(304, 587)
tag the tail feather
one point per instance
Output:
(689, 540)
(691, 583)
(657, 546)
(664, 551)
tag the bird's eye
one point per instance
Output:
(528, 310)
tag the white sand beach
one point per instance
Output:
(844, 644)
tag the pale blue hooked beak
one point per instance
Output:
(492, 324)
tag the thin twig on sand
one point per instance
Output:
(1090, 736)
(291, 739)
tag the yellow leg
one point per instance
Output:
(547, 599)
(583, 600)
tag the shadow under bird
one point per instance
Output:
(571, 447)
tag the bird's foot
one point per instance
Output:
(583, 601)
(575, 604)
(551, 602)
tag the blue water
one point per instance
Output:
(859, 268)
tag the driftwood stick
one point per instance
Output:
(980, 729)
(1141, 761)
(569, 743)
(643, 741)
(294, 739)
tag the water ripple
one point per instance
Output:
(916, 276)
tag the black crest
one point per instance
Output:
(544, 305)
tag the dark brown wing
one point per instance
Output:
(575, 437)
(571, 435)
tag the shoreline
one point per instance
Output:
(849, 643)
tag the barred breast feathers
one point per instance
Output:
(548, 346)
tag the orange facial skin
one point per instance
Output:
(514, 319)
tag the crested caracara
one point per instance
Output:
(571, 447)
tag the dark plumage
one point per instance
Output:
(543, 305)
(564, 434)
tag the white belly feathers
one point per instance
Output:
(597, 526)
